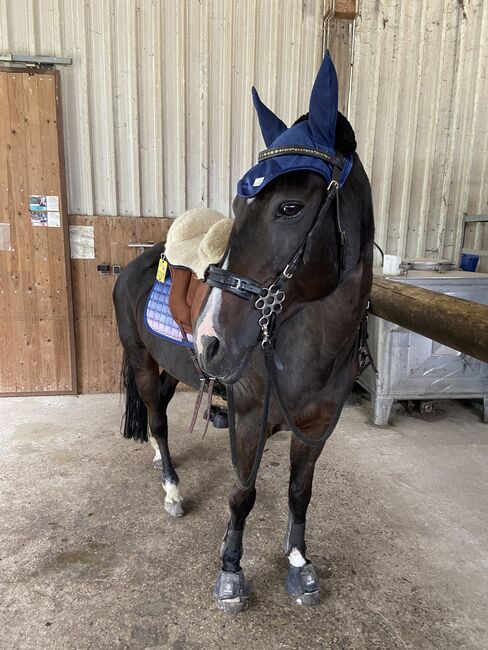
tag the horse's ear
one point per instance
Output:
(324, 103)
(271, 125)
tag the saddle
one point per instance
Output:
(186, 296)
(196, 239)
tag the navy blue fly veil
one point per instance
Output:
(307, 145)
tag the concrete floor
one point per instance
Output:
(398, 531)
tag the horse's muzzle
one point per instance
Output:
(216, 362)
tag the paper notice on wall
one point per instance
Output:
(43, 203)
(5, 237)
(53, 220)
(38, 219)
(82, 242)
(52, 203)
(38, 203)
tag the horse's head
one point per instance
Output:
(280, 202)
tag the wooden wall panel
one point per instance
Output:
(36, 342)
(98, 350)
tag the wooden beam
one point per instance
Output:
(346, 9)
(455, 322)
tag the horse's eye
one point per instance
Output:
(290, 209)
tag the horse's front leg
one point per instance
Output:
(231, 590)
(301, 582)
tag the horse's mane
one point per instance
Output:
(345, 140)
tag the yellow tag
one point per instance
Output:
(162, 268)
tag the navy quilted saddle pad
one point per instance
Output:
(158, 318)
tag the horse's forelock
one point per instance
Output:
(345, 138)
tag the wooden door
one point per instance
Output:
(36, 322)
(98, 351)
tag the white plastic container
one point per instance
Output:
(391, 264)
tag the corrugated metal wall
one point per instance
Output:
(157, 105)
(419, 104)
(158, 115)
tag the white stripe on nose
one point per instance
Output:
(210, 316)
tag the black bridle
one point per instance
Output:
(268, 300)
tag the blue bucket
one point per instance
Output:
(469, 262)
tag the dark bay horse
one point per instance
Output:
(315, 342)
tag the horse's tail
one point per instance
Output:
(134, 420)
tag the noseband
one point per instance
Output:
(269, 299)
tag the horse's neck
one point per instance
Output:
(325, 327)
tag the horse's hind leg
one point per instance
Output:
(156, 391)
(157, 462)
(301, 582)
(158, 424)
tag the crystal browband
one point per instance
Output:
(302, 151)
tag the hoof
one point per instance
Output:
(231, 592)
(220, 420)
(303, 585)
(173, 508)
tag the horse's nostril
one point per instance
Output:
(210, 347)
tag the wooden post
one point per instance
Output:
(346, 9)
(455, 322)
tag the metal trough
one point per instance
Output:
(429, 335)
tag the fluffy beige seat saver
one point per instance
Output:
(198, 238)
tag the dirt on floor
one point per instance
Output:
(397, 530)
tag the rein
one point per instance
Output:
(268, 300)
